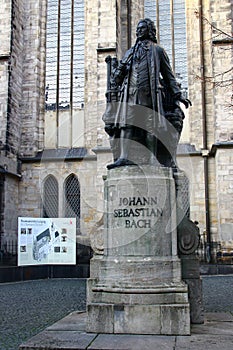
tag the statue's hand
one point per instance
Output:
(185, 101)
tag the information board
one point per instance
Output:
(46, 241)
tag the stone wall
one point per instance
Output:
(10, 211)
(217, 23)
(5, 36)
(26, 117)
(221, 18)
(195, 71)
(224, 176)
(106, 46)
(91, 44)
(32, 105)
(24, 123)
(10, 67)
(15, 81)
(31, 188)
(5, 26)
(217, 20)
(3, 99)
(122, 26)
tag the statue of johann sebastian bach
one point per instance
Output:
(142, 96)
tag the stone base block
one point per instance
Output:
(170, 319)
(136, 271)
(136, 286)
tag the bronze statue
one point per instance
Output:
(143, 102)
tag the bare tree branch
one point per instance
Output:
(197, 13)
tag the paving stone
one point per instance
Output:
(132, 342)
(41, 303)
(76, 321)
(207, 342)
(59, 340)
(218, 316)
(214, 328)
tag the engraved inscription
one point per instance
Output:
(140, 213)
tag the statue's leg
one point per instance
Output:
(125, 141)
(151, 143)
(166, 158)
(115, 144)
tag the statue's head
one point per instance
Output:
(146, 30)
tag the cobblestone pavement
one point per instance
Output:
(26, 308)
(217, 293)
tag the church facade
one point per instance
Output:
(53, 148)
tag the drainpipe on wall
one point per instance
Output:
(205, 152)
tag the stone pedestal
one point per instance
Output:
(135, 286)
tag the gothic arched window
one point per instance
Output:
(50, 198)
(72, 198)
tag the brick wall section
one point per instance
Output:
(31, 188)
(5, 36)
(195, 116)
(106, 39)
(5, 26)
(122, 26)
(26, 94)
(224, 174)
(221, 17)
(218, 59)
(222, 12)
(27, 109)
(91, 44)
(41, 71)
(194, 73)
(33, 76)
(16, 77)
(3, 100)
(25, 120)
(10, 211)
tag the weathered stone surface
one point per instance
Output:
(140, 212)
(23, 119)
(190, 267)
(128, 342)
(137, 319)
(216, 338)
(179, 319)
(218, 317)
(100, 318)
(135, 286)
(213, 328)
(76, 321)
(195, 300)
(59, 340)
(213, 342)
